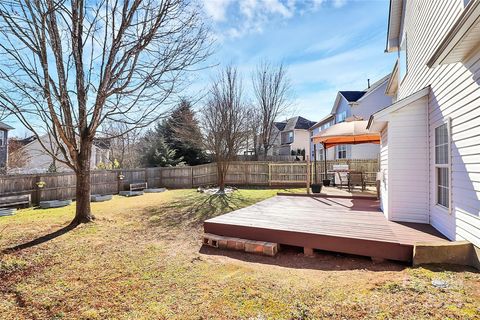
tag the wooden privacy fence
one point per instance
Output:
(252, 173)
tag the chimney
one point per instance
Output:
(368, 81)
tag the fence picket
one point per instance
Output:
(59, 186)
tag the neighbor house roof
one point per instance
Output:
(352, 96)
(322, 121)
(5, 126)
(102, 143)
(280, 125)
(298, 123)
(27, 140)
(375, 86)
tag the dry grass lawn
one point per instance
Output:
(142, 259)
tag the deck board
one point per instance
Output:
(337, 224)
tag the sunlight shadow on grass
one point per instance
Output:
(195, 209)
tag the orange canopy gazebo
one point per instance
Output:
(348, 132)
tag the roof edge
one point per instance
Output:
(403, 102)
(455, 34)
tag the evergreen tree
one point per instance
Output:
(156, 152)
(182, 133)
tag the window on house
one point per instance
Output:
(341, 151)
(402, 57)
(320, 153)
(442, 165)
(290, 137)
(2, 138)
(341, 116)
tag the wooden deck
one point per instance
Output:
(353, 226)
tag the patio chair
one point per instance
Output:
(356, 179)
(342, 179)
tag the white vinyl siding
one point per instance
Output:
(455, 94)
(408, 180)
(384, 172)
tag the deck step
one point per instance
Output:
(250, 246)
(455, 252)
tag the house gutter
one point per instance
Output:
(388, 28)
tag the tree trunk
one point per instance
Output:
(83, 213)
(221, 177)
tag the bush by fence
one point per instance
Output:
(254, 173)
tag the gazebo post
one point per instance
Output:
(325, 160)
(315, 162)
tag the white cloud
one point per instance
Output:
(339, 3)
(276, 7)
(250, 16)
(216, 9)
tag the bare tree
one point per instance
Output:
(254, 126)
(67, 66)
(123, 144)
(224, 122)
(17, 156)
(272, 98)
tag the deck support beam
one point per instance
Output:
(308, 252)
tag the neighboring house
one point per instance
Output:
(4, 128)
(353, 105)
(37, 160)
(430, 141)
(291, 135)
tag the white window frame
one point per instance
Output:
(2, 138)
(342, 115)
(447, 165)
(320, 152)
(337, 151)
(290, 137)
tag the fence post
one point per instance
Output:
(191, 174)
(245, 173)
(38, 192)
(269, 174)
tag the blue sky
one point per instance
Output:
(327, 45)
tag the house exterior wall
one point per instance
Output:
(372, 102)
(454, 95)
(408, 163)
(319, 147)
(366, 106)
(384, 196)
(301, 140)
(3, 149)
(39, 161)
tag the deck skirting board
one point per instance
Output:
(369, 248)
